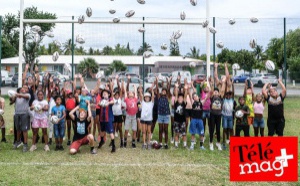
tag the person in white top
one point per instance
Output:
(146, 116)
(51, 105)
(118, 115)
(40, 119)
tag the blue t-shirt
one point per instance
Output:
(59, 112)
(82, 102)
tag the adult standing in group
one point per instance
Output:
(276, 120)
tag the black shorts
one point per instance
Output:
(97, 112)
(276, 127)
(146, 122)
(188, 113)
(138, 115)
(22, 122)
(118, 119)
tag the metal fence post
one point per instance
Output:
(72, 49)
(143, 68)
(284, 50)
(0, 51)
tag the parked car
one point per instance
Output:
(14, 80)
(241, 78)
(135, 81)
(198, 78)
(6, 78)
(150, 77)
(263, 78)
(183, 75)
(56, 74)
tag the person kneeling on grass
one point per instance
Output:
(81, 133)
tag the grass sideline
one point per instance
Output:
(126, 166)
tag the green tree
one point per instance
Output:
(7, 49)
(195, 53)
(91, 51)
(143, 48)
(88, 67)
(294, 66)
(174, 49)
(246, 59)
(121, 50)
(67, 47)
(10, 32)
(107, 50)
(80, 51)
(115, 66)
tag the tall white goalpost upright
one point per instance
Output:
(21, 43)
(207, 42)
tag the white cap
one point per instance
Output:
(147, 94)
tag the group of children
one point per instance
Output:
(105, 108)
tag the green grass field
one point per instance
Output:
(126, 166)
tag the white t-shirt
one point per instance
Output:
(51, 104)
(41, 114)
(117, 107)
(147, 109)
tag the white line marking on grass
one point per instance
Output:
(108, 164)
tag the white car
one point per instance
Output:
(263, 78)
(57, 74)
(135, 81)
(183, 75)
(6, 78)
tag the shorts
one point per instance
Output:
(59, 130)
(97, 112)
(196, 127)
(68, 116)
(146, 122)
(130, 122)
(118, 119)
(22, 122)
(93, 113)
(206, 114)
(227, 122)
(180, 127)
(163, 119)
(78, 143)
(138, 115)
(276, 127)
(172, 112)
(40, 123)
(188, 113)
(107, 127)
(259, 122)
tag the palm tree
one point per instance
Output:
(67, 47)
(174, 49)
(195, 53)
(80, 51)
(88, 67)
(143, 48)
(107, 50)
(258, 52)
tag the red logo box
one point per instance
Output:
(264, 159)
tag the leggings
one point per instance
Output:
(215, 121)
(240, 128)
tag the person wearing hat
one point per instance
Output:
(147, 101)
(81, 129)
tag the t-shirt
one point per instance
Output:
(275, 107)
(59, 112)
(243, 120)
(259, 108)
(216, 105)
(40, 114)
(163, 106)
(70, 104)
(117, 107)
(147, 111)
(21, 105)
(227, 108)
(80, 129)
(82, 101)
(131, 106)
(104, 112)
(206, 104)
(197, 110)
(179, 111)
(249, 103)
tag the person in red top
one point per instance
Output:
(131, 101)
(70, 105)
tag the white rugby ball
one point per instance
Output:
(205, 23)
(37, 108)
(54, 119)
(111, 11)
(57, 43)
(220, 44)
(147, 54)
(55, 56)
(81, 19)
(192, 64)
(11, 93)
(239, 114)
(212, 30)
(130, 13)
(116, 20)
(193, 2)
(164, 46)
(270, 65)
(253, 19)
(182, 15)
(80, 39)
(103, 103)
(141, 1)
(231, 21)
(35, 28)
(142, 30)
(1, 112)
(177, 34)
(253, 43)
(89, 12)
(236, 66)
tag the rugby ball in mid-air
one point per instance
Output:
(11, 93)
(89, 12)
(57, 43)
(253, 20)
(270, 65)
(177, 34)
(147, 54)
(220, 44)
(193, 2)
(35, 28)
(172, 40)
(130, 13)
(192, 64)
(37, 108)
(141, 1)
(80, 39)
(212, 30)
(54, 119)
(55, 56)
(164, 46)
(236, 66)
(231, 21)
(142, 30)
(103, 103)
(205, 23)
(111, 11)
(182, 15)
(239, 114)
(116, 20)
(253, 43)
(1, 112)
(67, 67)
(81, 19)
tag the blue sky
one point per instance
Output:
(269, 12)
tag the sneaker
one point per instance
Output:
(100, 144)
(144, 147)
(18, 144)
(176, 146)
(192, 147)
(149, 146)
(93, 151)
(202, 148)
(46, 148)
(113, 149)
(50, 141)
(166, 146)
(25, 148)
(172, 140)
(224, 146)
(219, 146)
(185, 147)
(61, 148)
(3, 140)
(211, 146)
(121, 144)
(56, 148)
(116, 134)
(32, 148)
(133, 145)
(227, 141)
(69, 143)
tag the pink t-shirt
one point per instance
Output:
(131, 106)
(259, 108)
(206, 104)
